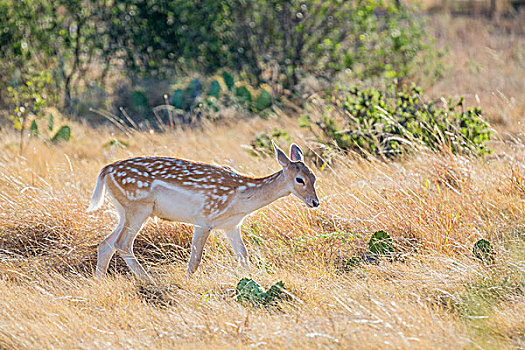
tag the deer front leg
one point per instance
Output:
(234, 237)
(200, 235)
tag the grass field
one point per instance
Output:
(434, 294)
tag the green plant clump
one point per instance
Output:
(262, 144)
(390, 122)
(381, 244)
(250, 292)
(483, 250)
(63, 134)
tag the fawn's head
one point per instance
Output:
(299, 177)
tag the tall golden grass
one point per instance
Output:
(435, 294)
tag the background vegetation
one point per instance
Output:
(410, 116)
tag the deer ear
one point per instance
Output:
(296, 155)
(281, 157)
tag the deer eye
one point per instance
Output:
(299, 180)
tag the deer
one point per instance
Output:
(209, 197)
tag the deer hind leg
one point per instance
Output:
(234, 237)
(200, 235)
(106, 248)
(124, 242)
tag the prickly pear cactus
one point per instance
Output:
(263, 101)
(274, 293)
(177, 98)
(215, 89)
(228, 80)
(483, 251)
(243, 95)
(381, 243)
(63, 134)
(250, 292)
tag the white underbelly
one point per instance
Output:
(177, 203)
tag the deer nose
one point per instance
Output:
(315, 203)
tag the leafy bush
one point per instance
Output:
(273, 42)
(320, 38)
(29, 100)
(390, 122)
(263, 101)
(262, 144)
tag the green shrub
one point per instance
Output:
(262, 144)
(390, 122)
(29, 100)
(243, 95)
(140, 102)
(263, 101)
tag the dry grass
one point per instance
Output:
(486, 64)
(435, 294)
(435, 206)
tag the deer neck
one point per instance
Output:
(263, 191)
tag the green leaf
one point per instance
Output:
(215, 89)
(50, 122)
(33, 129)
(63, 134)
(228, 80)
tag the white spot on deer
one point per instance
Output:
(241, 188)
